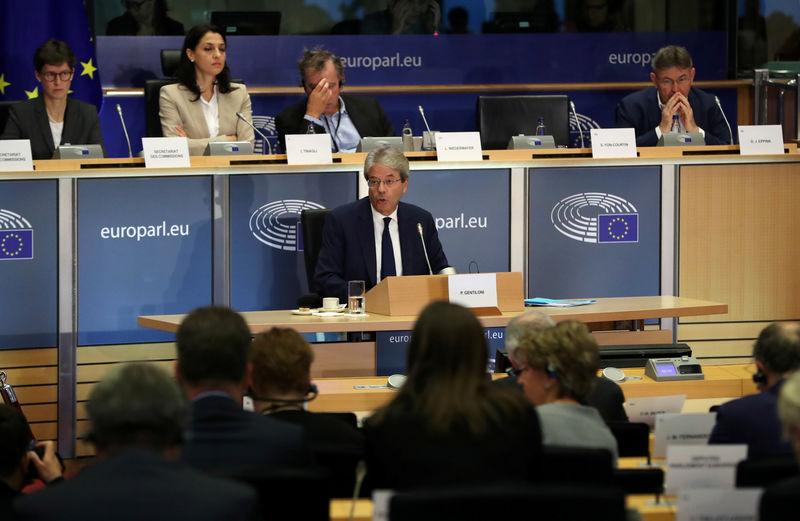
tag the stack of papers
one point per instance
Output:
(556, 303)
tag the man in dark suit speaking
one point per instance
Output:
(649, 111)
(378, 236)
(346, 118)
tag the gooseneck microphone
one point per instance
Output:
(266, 141)
(730, 133)
(422, 240)
(577, 123)
(125, 130)
(426, 123)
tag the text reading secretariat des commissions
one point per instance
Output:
(377, 236)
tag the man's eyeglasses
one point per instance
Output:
(51, 76)
(516, 372)
(374, 182)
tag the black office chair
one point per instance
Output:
(312, 222)
(633, 439)
(501, 117)
(289, 493)
(640, 481)
(576, 465)
(342, 463)
(766, 471)
(152, 89)
(4, 107)
(510, 501)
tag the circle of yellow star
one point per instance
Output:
(622, 234)
(88, 68)
(32, 93)
(10, 252)
(3, 84)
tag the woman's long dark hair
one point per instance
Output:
(185, 73)
(447, 381)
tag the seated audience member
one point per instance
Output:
(447, 425)
(649, 111)
(282, 384)
(606, 396)
(753, 420)
(326, 110)
(357, 234)
(779, 501)
(53, 118)
(404, 17)
(137, 415)
(557, 368)
(202, 106)
(16, 458)
(213, 368)
(144, 18)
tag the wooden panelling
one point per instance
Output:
(36, 394)
(343, 359)
(616, 338)
(721, 348)
(80, 411)
(738, 239)
(32, 376)
(27, 358)
(721, 330)
(96, 372)
(40, 412)
(125, 353)
(45, 430)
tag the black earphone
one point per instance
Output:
(278, 402)
(551, 371)
(760, 378)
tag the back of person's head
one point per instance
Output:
(529, 323)
(447, 382)
(789, 410)
(389, 157)
(281, 360)
(778, 348)
(213, 347)
(136, 404)
(15, 438)
(317, 59)
(672, 56)
(53, 52)
(568, 352)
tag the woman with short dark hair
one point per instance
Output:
(53, 118)
(447, 425)
(202, 106)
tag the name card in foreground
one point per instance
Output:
(702, 466)
(703, 504)
(15, 155)
(645, 410)
(682, 429)
(755, 140)
(308, 149)
(475, 290)
(458, 146)
(613, 142)
(166, 152)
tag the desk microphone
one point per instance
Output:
(426, 126)
(577, 123)
(422, 240)
(266, 141)
(125, 130)
(716, 98)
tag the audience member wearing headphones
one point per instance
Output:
(137, 414)
(214, 370)
(282, 386)
(557, 369)
(17, 460)
(346, 118)
(779, 501)
(447, 425)
(753, 419)
(202, 106)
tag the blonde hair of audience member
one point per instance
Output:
(281, 360)
(557, 364)
(789, 411)
(447, 381)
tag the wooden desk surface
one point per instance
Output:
(606, 309)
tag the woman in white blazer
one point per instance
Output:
(202, 106)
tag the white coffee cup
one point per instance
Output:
(330, 303)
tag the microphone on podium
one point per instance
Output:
(125, 130)
(266, 141)
(447, 270)
(577, 123)
(730, 133)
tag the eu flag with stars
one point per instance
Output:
(26, 25)
(16, 244)
(618, 227)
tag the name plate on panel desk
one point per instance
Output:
(682, 429)
(755, 140)
(166, 152)
(719, 504)
(702, 466)
(458, 146)
(613, 142)
(308, 149)
(645, 410)
(15, 155)
(477, 290)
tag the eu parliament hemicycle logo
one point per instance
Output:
(16, 236)
(596, 217)
(277, 224)
(266, 124)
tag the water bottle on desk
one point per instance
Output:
(676, 124)
(310, 128)
(541, 130)
(408, 137)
